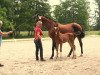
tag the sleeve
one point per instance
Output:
(41, 33)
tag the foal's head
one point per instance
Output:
(56, 31)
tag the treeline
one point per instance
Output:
(20, 15)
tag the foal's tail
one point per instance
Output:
(78, 30)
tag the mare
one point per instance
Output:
(63, 38)
(67, 28)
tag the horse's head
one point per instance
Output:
(47, 22)
(44, 19)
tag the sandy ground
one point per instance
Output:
(18, 58)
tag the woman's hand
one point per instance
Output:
(10, 32)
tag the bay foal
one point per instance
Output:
(63, 38)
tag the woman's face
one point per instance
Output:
(39, 23)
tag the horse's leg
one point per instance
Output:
(57, 46)
(61, 50)
(53, 46)
(70, 53)
(81, 45)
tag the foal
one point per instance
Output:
(63, 38)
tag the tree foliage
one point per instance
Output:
(21, 14)
(97, 27)
(73, 11)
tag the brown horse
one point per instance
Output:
(63, 38)
(68, 28)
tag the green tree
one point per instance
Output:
(73, 11)
(4, 7)
(31, 9)
(97, 27)
(21, 14)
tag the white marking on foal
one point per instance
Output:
(55, 29)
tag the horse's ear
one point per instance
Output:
(39, 17)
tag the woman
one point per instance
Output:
(37, 40)
(3, 34)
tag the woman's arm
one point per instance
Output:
(5, 33)
(39, 36)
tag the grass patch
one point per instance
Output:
(45, 34)
(24, 34)
(92, 32)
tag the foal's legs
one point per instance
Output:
(60, 50)
(73, 49)
(70, 50)
(81, 45)
(74, 52)
(70, 53)
(57, 46)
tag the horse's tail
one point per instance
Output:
(79, 31)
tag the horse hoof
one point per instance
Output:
(51, 57)
(56, 57)
(74, 57)
(81, 55)
(68, 55)
(1, 65)
(60, 57)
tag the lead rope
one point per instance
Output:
(12, 27)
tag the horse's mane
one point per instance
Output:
(51, 19)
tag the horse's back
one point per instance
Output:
(67, 28)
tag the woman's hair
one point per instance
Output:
(39, 23)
